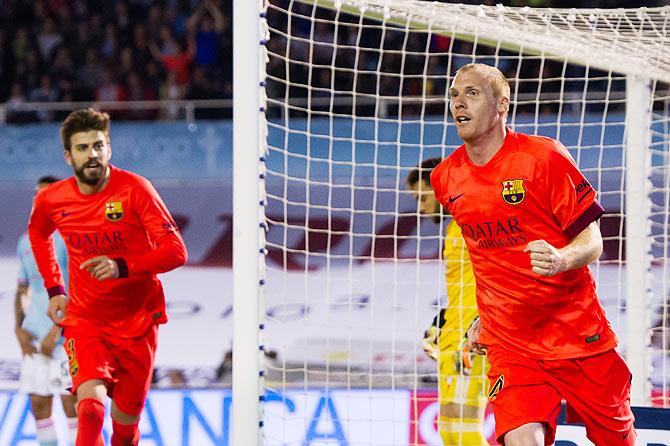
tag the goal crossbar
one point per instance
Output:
(626, 41)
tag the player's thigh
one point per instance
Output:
(89, 357)
(597, 392)
(531, 434)
(134, 374)
(34, 378)
(520, 395)
(60, 381)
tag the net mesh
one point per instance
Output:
(356, 98)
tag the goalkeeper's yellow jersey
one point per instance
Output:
(460, 280)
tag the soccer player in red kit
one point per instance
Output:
(118, 235)
(528, 216)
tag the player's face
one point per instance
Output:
(89, 156)
(428, 204)
(475, 109)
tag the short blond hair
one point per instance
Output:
(497, 80)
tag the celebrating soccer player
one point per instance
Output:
(119, 235)
(528, 217)
(461, 377)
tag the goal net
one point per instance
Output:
(356, 99)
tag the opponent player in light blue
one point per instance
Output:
(44, 369)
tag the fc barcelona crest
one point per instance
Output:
(513, 192)
(114, 211)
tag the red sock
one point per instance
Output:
(91, 414)
(125, 434)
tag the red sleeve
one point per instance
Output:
(436, 181)
(169, 250)
(573, 199)
(40, 228)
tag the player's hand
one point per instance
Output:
(101, 268)
(25, 339)
(545, 259)
(48, 344)
(56, 308)
(429, 342)
(473, 336)
(464, 359)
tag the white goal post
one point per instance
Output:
(335, 102)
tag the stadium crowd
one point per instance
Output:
(96, 50)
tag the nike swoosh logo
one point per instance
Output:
(65, 214)
(452, 199)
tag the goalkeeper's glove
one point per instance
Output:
(431, 336)
(464, 358)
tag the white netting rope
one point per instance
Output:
(629, 41)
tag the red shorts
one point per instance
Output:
(125, 365)
(596, 389)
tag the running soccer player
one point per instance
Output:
(462, 377)
(119, 235)
(44, 371)
(528, 216)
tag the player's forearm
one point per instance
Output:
(45, 257)
(170, 254)
(584, 249)
(54, 333)
(19, 315)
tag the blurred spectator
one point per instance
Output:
(21, 44)
(136, 90)
(171, 90)
(126, 63)
(201, 88)
(82, 41)
(48, 38)
(121, 18)
(141, 51)
(154, 21)
(110, 44)
(44, 93)
(110, 90)
(61, 67)
(154, 74)
(168, 44)
(91, 75)
(179, 63)
(15, 115)
(207, 23)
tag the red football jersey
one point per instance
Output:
(126, 221)
(530, 190)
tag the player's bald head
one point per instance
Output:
(497, 80)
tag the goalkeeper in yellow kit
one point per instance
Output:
(462, 374)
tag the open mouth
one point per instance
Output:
(92, 167)
(462, 119)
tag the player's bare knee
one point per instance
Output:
(93, 388)
(40, 406)
(531, 434)
(121, 417)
